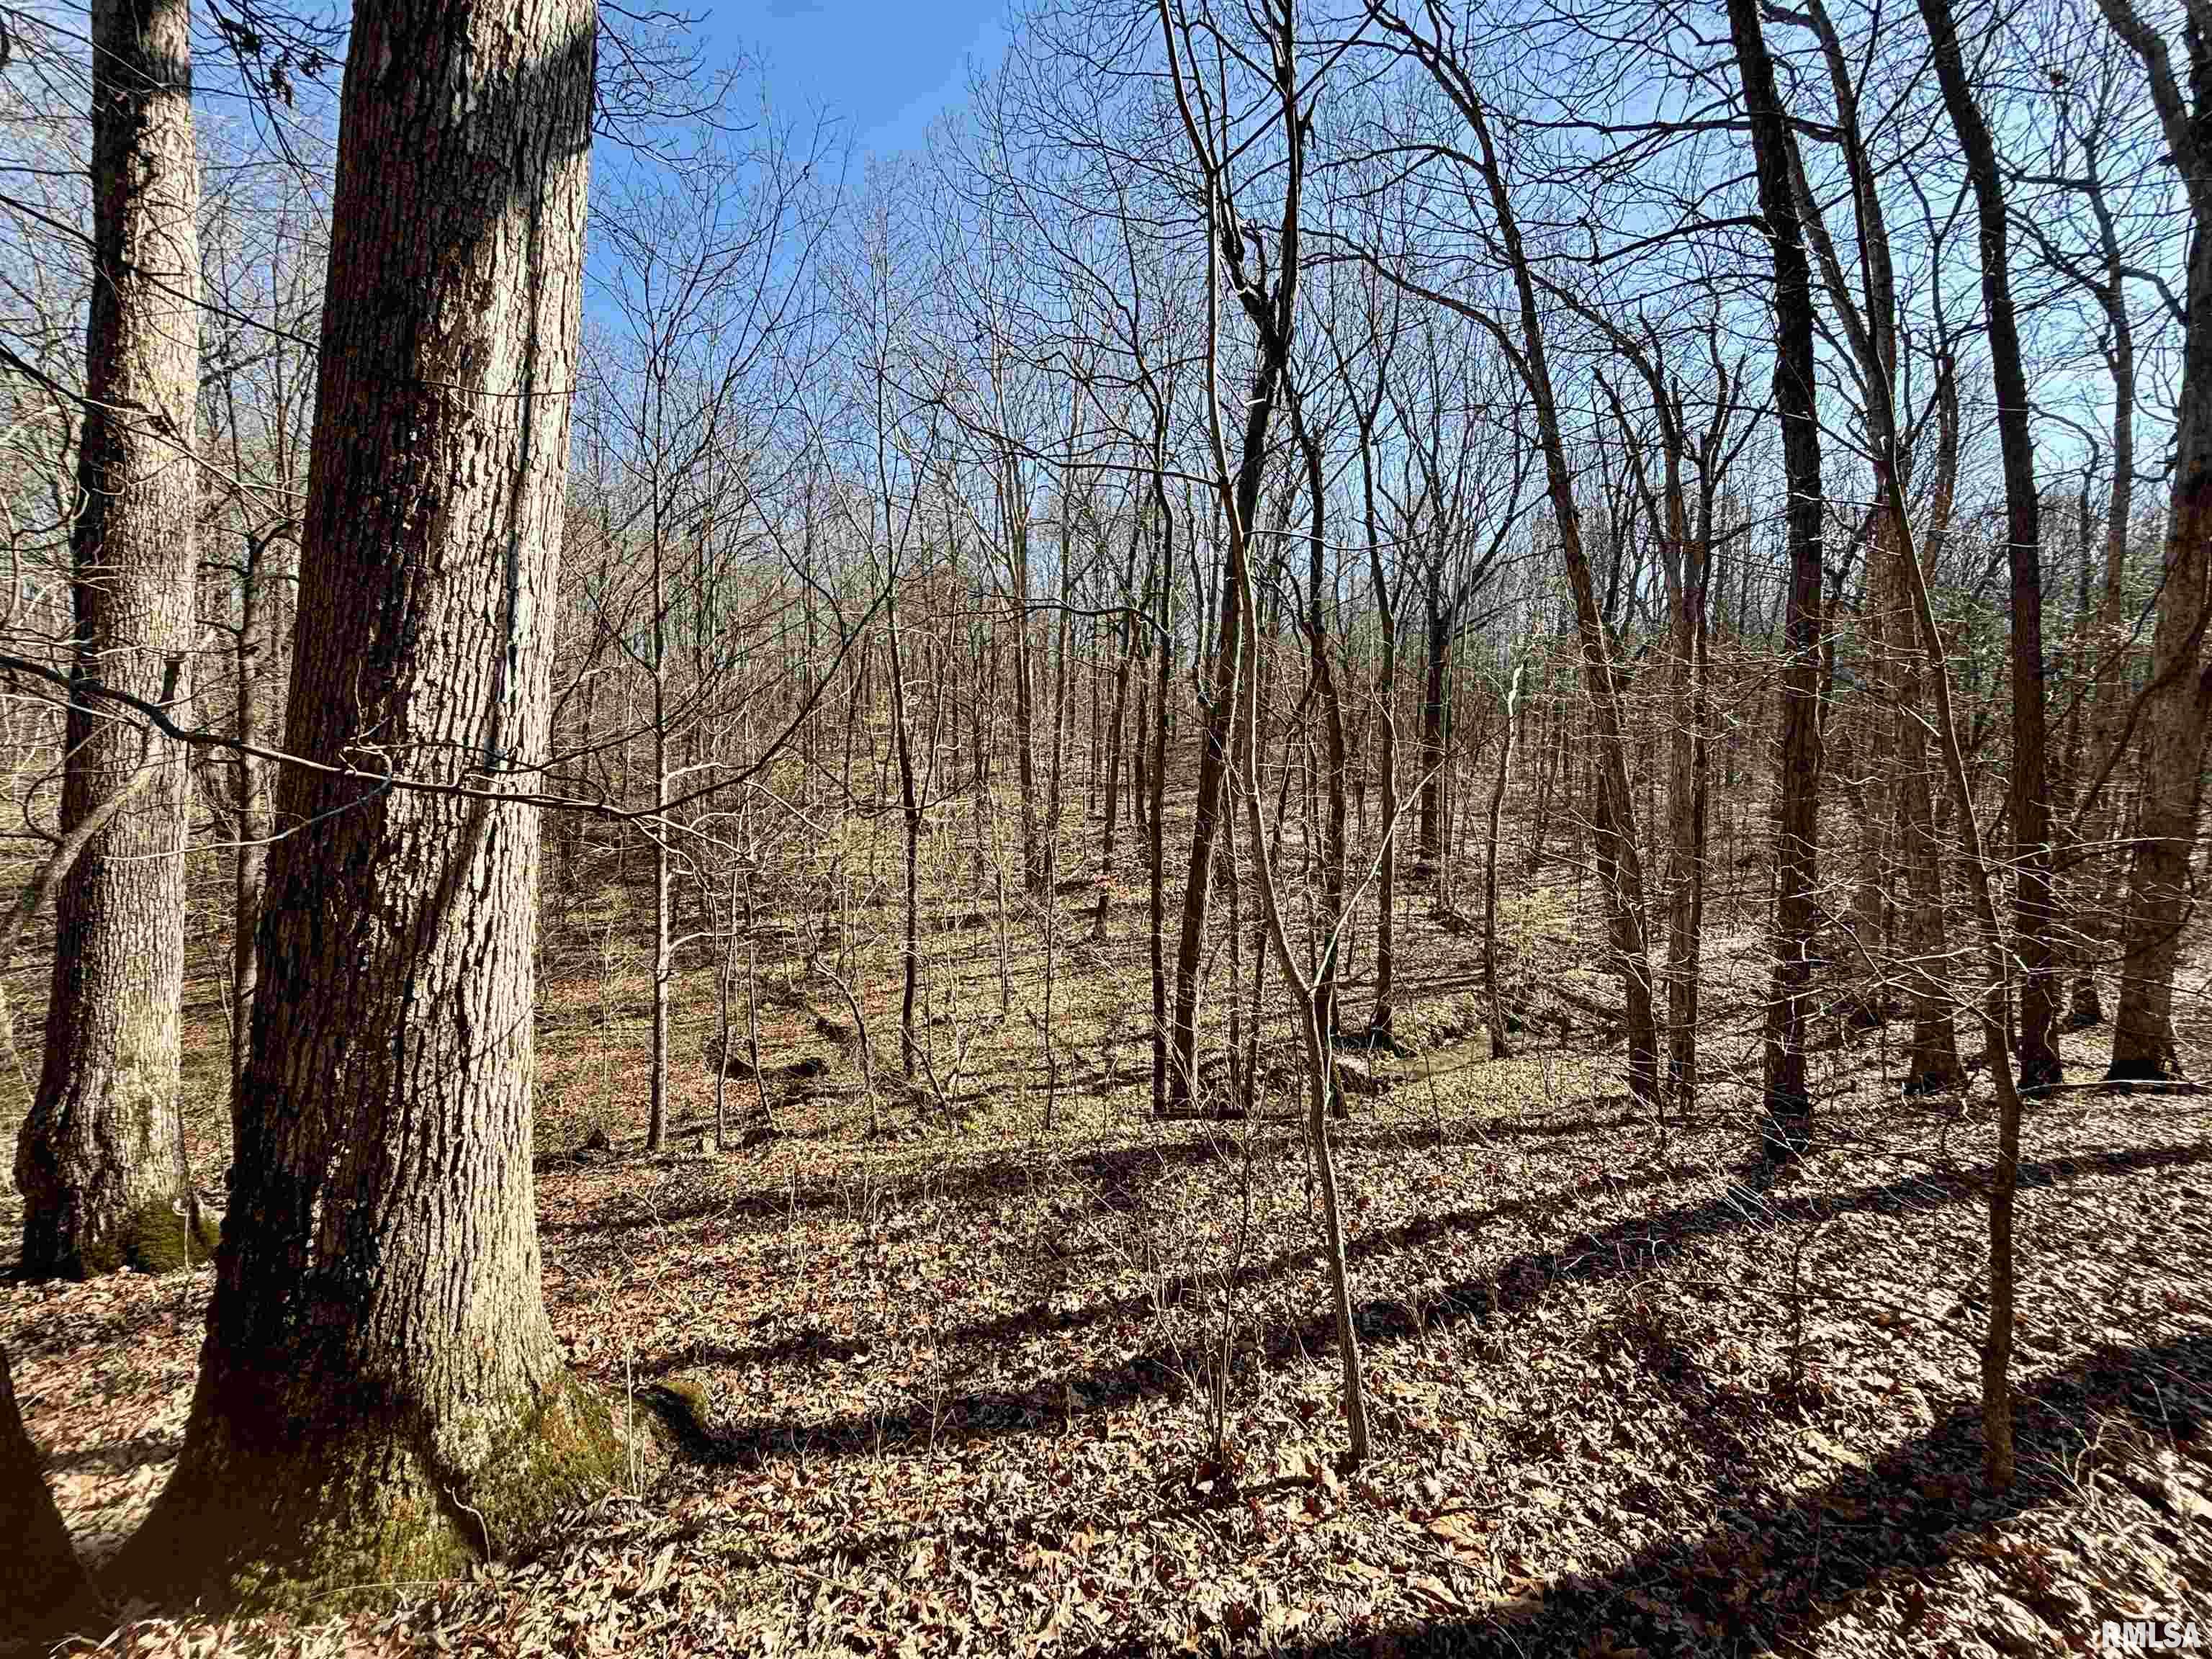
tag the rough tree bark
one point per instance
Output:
(99, 1159)
(380, 1394)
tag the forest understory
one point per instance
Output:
(966, 1383)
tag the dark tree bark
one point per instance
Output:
(99, 1159)
(380, 1394)
(2034, 905)
(1789, 1105)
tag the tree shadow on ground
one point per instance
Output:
(1767, 1575)
(1117, 1171)
(1043, 1319)
(1627, 1250)
(117, 1457)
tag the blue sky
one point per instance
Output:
(888, 67)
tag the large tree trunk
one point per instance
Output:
(1789, 1103)
(99, 1160)
(380, 1396)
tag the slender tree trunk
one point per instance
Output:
(252, 815)
(1321, 1079)
(2175, 712)
(1214, 761)
(2100, 817)
(1124, 665)
(1435, 690)
(1386, 692)
(1322, 667)
(1156, 831)
(1620, 860)
(2035, 903)
(656, 1130)
(382, 1397)
(1789, 1103)
(100, 1159)
(911, 812)
(1933, 1065)
(1499, 1048)
(1685, 827)
(1997, 1453)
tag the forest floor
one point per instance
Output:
(972, 1383)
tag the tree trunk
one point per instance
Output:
(1125, 663)
(1331, 920)
(2174, 717)
(1685, 849)
(1620, 860)
(1499, 1048)
(381, 1395)
(1214, 757)
(252, 803)
(2034, 905)
(1789, 1102)
(910, 814)
(2098, 816)
(1156, 785)
(1933, 1067)
(656, 1126)
(100, 1160)
(1386, 691)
